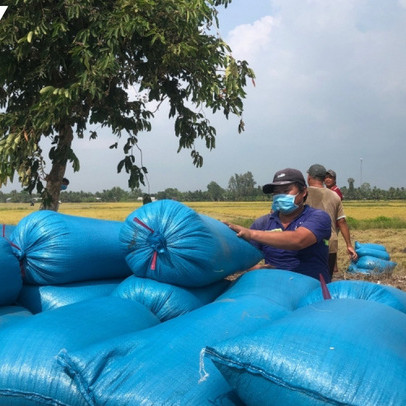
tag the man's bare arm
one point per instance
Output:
(289, 240)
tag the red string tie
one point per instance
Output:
(155, 254)
(324, 288)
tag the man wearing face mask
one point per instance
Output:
(293, 236)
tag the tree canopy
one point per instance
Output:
(66, 65)
(242, 185)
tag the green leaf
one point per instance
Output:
(120, 166)
(46, 89)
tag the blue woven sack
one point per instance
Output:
(365, 251)
(358, 245)
(160, 366)
(384, 294)
(169, 242)
(375, 265)
(168, 301)
(7, 229)
(10, 274)
(29, 373)
(41, 298)
(55, 248)
(283, 288)
(336, 352)
(12, 314)
(352, 268)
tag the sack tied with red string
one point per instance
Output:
(169, 242)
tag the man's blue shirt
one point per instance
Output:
(310, 261)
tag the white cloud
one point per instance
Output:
(248, 40)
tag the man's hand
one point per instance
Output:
(352, 254)
(241, 231)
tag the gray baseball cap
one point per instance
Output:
(317, 171)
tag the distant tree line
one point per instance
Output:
(366, 192)
(240, 187)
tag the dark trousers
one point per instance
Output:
(332, 258)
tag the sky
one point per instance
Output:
(330, 89)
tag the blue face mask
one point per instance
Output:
(284, 203)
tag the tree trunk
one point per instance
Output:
(50, 200)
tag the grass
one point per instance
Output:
(377, 222)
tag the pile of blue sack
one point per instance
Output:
(372, 259)
(140, 312)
